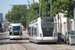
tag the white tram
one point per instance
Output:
(15, 31)
(43, 29)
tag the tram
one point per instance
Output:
(43, 29)
(15, 31)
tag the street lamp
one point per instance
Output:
(74, 16)
(27, 13)
(39, 9)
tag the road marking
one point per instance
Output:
(22, 45)
(8, 45)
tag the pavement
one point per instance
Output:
(24, 44)
(3, 41)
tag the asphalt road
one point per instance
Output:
(24, 44)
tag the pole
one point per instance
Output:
(26, 16)
(39, 9)
(60, 25)
(28, 3)
(74, 16)
(58, 22)
(51, 8)
(33, 1)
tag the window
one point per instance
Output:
(47, 24)
(16, 28)
(29, 31)
(72, 33)
(35, 20)
(35, 31)
(32, 31)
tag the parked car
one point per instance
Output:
(60, 37)
(1, 30)
(70, 38)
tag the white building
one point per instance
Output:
(1, 18)
(37, 1)
(65, 24)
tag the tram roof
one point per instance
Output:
(45, 18)
(15, 24)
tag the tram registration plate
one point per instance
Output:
(48, 41)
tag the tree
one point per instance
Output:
(33, 12)
(23, 21)
(68, 6)
(0, 25)
(17, 11)
(64, 6)
(45, 8)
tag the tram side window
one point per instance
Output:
(21, 29)
(35, 31)
(32, 31)
(29, 29)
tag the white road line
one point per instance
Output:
(8, 45)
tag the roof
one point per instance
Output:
(15, 24)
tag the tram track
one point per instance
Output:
(22, 45)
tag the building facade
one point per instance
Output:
(64, 24)
(1, 18)
(37, 1)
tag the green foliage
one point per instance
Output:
(23, 21)
(68, 5)
(45, 8)
(33, 12)
(0, 25)
(16, 13)
(64, 6)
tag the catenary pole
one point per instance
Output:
(74, 16)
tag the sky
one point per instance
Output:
(6, 5)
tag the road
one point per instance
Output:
(24, 44)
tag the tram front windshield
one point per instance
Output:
(16, 28)
(47, 28)
(47, 24)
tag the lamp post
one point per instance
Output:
(39, 9)
(33, 0)
(74, 16)
(27, 13)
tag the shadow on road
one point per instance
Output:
(3, 43)
(4, 38)
(2, 34)
(51, 43)
(25, 38)
(18, 41)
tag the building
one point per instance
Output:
(37, 1)
(64, 24)
(5, 20)
(1, 18)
